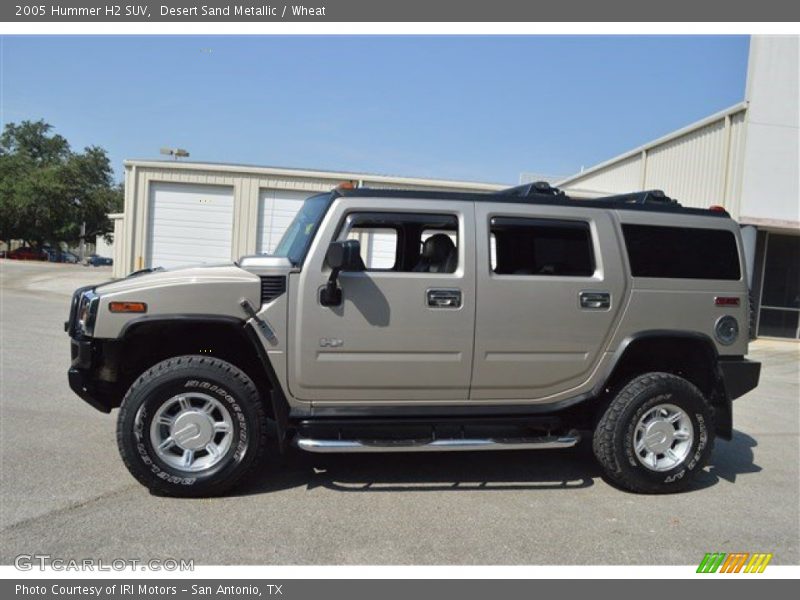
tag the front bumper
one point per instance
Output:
(82, 375)
(739, 376)
(81, 383)
(81, 353)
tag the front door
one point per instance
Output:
(404, 330)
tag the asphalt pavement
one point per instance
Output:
(65, 492)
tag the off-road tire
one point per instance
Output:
(214, 377)
(613, 441)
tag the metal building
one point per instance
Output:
(744, 158)
(184, 213)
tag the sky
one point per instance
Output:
(457, 107)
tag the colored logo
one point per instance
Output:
(738, 562)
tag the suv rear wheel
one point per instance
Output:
(656, 434)
(191, 426)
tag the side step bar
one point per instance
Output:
(438, 445)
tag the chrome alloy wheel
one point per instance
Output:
(663, 437)
(191, 432)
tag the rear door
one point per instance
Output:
(550, 286)
(399, 335)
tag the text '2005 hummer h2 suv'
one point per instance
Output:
(397, 321)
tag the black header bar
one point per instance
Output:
(462, 11)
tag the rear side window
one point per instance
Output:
(681, 252)
(520, 246)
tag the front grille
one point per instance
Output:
(272, 286)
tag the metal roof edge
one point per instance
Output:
(731, 110)
(316, 173)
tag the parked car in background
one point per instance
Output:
(61, 256)
(99, 261)
(69, 257)
(27, 253)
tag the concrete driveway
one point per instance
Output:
(65, 492)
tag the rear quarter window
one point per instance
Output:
(681, 252)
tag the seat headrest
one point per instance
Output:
(438, 248)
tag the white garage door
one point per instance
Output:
(378, 246)
(276, 209)
(189, 224)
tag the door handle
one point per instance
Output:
(443, 298)
(595, 300)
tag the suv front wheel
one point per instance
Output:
(656, 434)
(191, 426)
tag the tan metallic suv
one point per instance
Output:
(397, 321)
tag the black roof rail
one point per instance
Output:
(650, 200)
(530, 189)
(542, 188)
(651, 197)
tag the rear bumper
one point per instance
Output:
(739, 376)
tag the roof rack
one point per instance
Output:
(540, 188)
(647, 197)
(530, 189)
(650, 200)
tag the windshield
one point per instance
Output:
(297, 237)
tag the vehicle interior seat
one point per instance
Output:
(439, 255)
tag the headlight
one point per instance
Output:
(726, 330)
(87, 312)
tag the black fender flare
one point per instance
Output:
(277, 398)
(719, 397)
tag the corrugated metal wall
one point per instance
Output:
(733, 192)
(249, 185)
(690, 168)
(699, 165)
(623, 175)
(119, 236)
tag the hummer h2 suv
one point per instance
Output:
(400, 321)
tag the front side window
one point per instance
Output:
(405, 242)
(378, 246)
(520, 246)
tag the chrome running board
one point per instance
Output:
(438, 445)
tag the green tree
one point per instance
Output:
(47, 191)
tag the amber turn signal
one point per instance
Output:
(127, 307)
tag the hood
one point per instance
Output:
(265, 261)
(147, 278)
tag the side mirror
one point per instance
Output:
(341, 256)
(344, 256)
